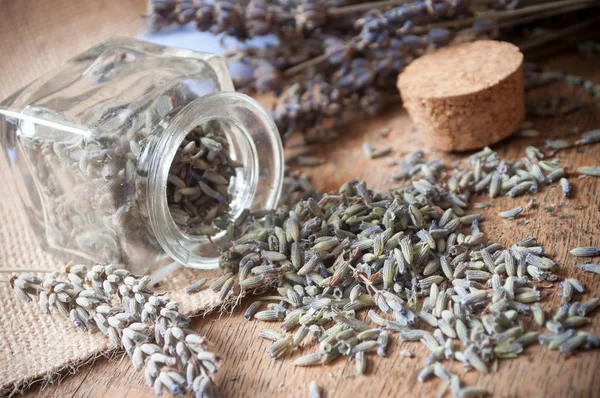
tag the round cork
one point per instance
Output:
(466, 96)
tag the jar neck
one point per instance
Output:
(254, 142)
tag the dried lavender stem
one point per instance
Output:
(294, 70)
(267, 298)
(536, 41)
(499, 15)
(542, 15)
(366, 6)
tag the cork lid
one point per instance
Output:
(460, 70)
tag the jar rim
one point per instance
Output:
(256, 133)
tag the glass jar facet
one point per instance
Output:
(90, 148)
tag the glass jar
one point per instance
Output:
(90, 148)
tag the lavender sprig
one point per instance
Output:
(149, 327)
(358, 49)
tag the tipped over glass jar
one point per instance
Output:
(139, 154)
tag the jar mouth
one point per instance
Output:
(240, 190)
(253, 141)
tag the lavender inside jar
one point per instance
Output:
(198, 188)
(138, 154)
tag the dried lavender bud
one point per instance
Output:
(510, 214)
(309, 161)
(258, 18)
(589, 170)
(313, 390)
(595, 268)
(585, 251)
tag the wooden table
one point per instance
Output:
(557, 223)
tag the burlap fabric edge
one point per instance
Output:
(41, 348)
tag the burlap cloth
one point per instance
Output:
(36, 36)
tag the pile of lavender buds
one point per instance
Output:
(334, 56)
(415, 260)
(411, 256)
(148, 326)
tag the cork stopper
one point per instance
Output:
(466, 96)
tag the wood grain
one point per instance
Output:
(557, 223)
